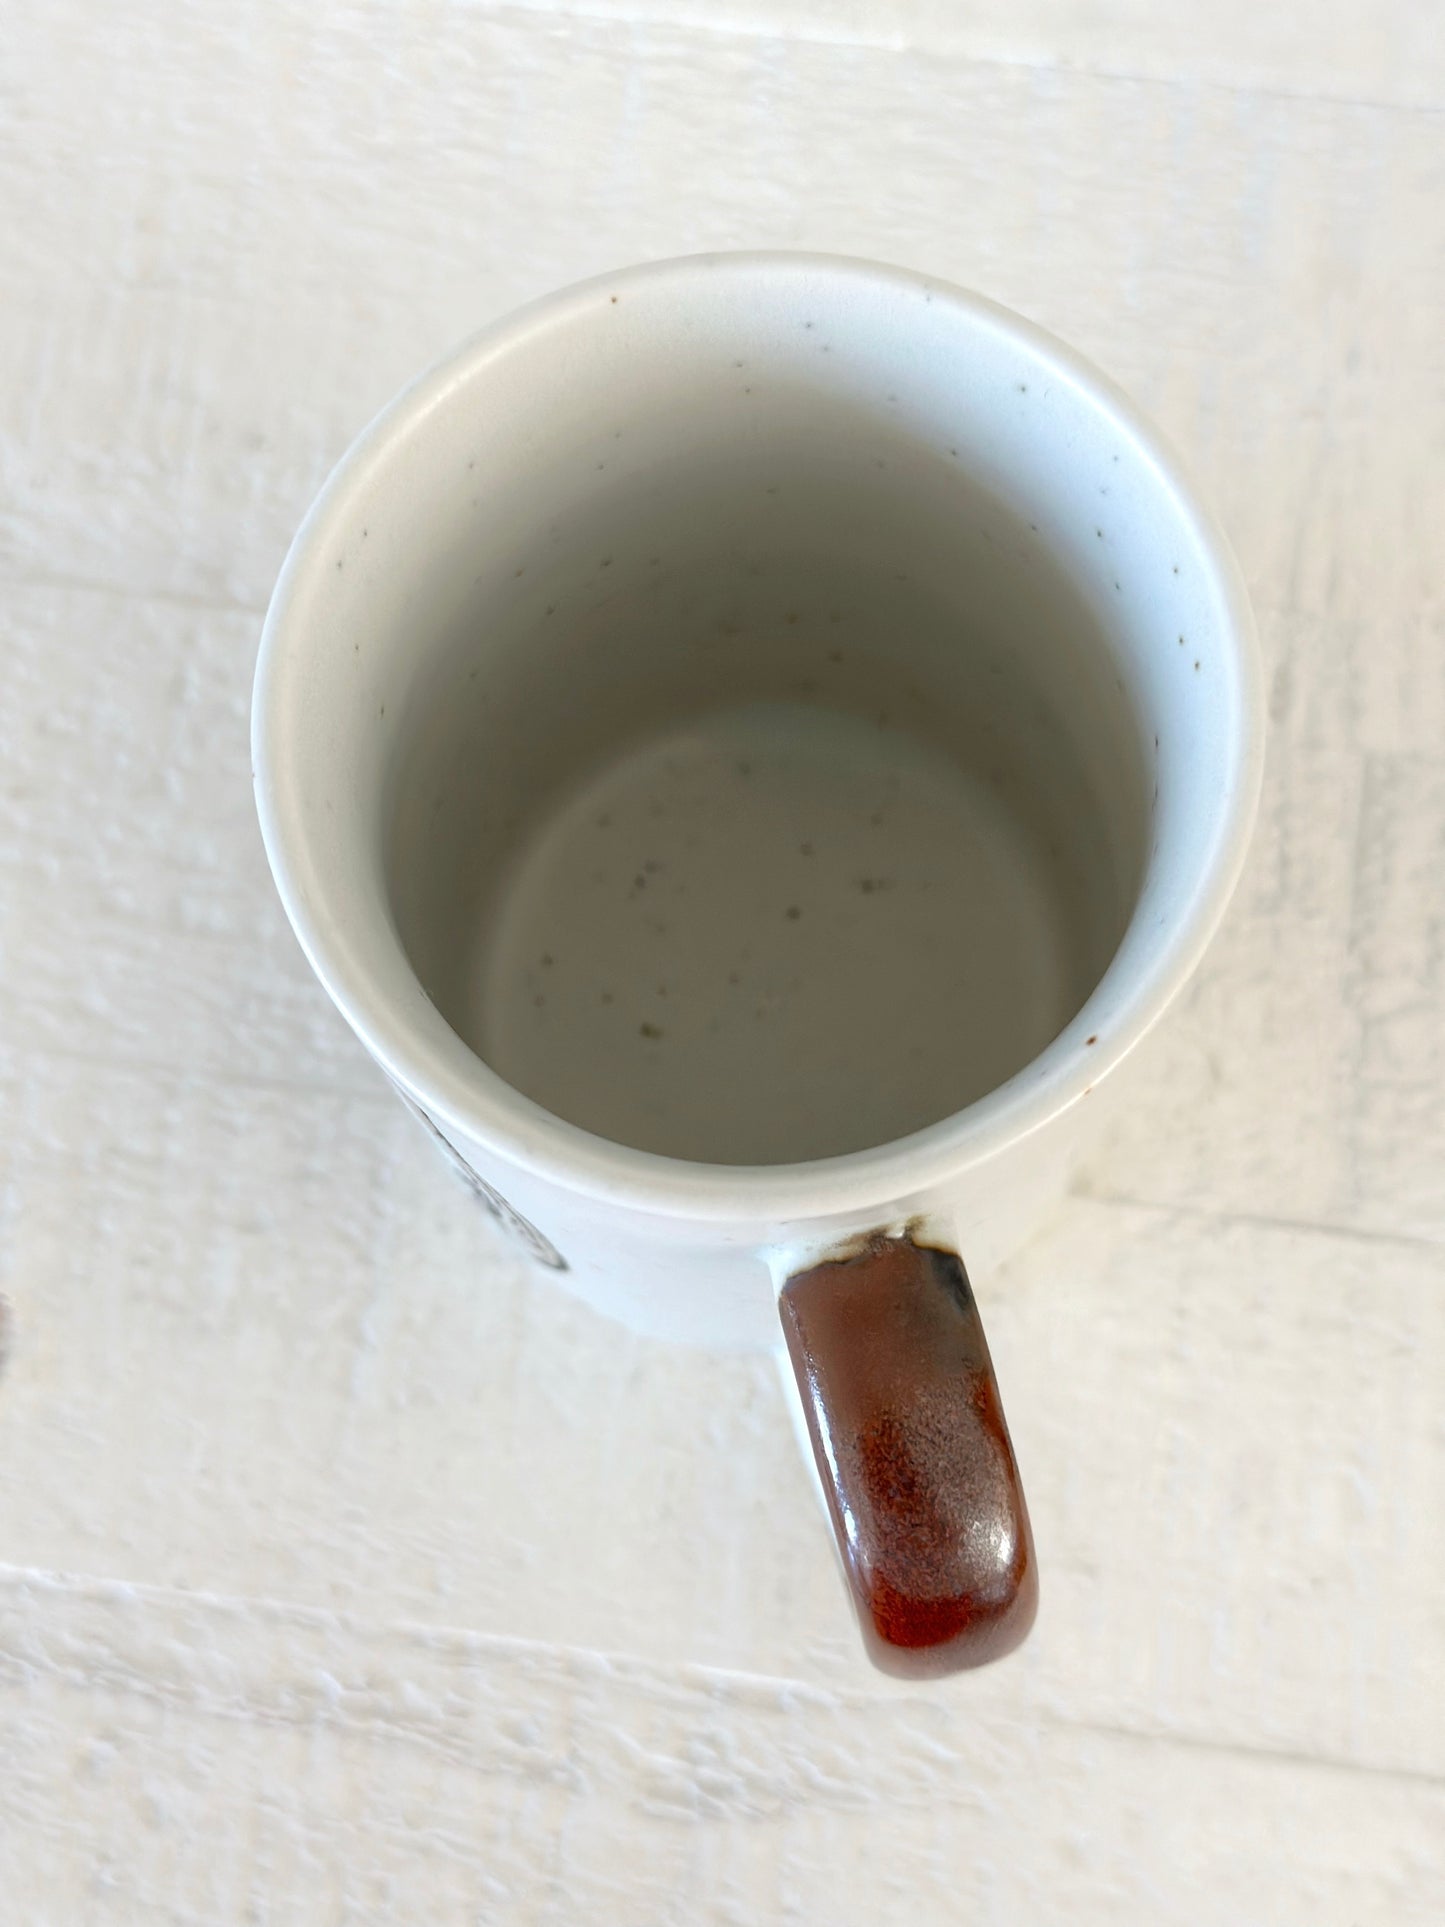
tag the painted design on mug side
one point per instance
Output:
(536, 1244)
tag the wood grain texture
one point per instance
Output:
(347, 1572)
(1352, 50)
(371, 1775)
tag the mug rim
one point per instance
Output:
(429, 1061)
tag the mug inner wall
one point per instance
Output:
(769, 798)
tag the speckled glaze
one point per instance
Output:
(771, 934)
(750, 744)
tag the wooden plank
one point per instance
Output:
(212, 1758)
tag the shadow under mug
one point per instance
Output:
(749, 744)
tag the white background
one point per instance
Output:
(346, 1572)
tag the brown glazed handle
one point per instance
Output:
(915, 1459)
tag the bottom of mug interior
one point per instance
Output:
(771, 933)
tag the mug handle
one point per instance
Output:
(914, 1457)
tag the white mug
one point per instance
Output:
(750, 744)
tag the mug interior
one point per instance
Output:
(758, 705)
(777, 795)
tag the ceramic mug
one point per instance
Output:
(750, 744)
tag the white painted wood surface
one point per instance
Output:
(347, 1573)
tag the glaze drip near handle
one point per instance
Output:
(914, 1456)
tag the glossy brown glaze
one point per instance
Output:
(914, 1456)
